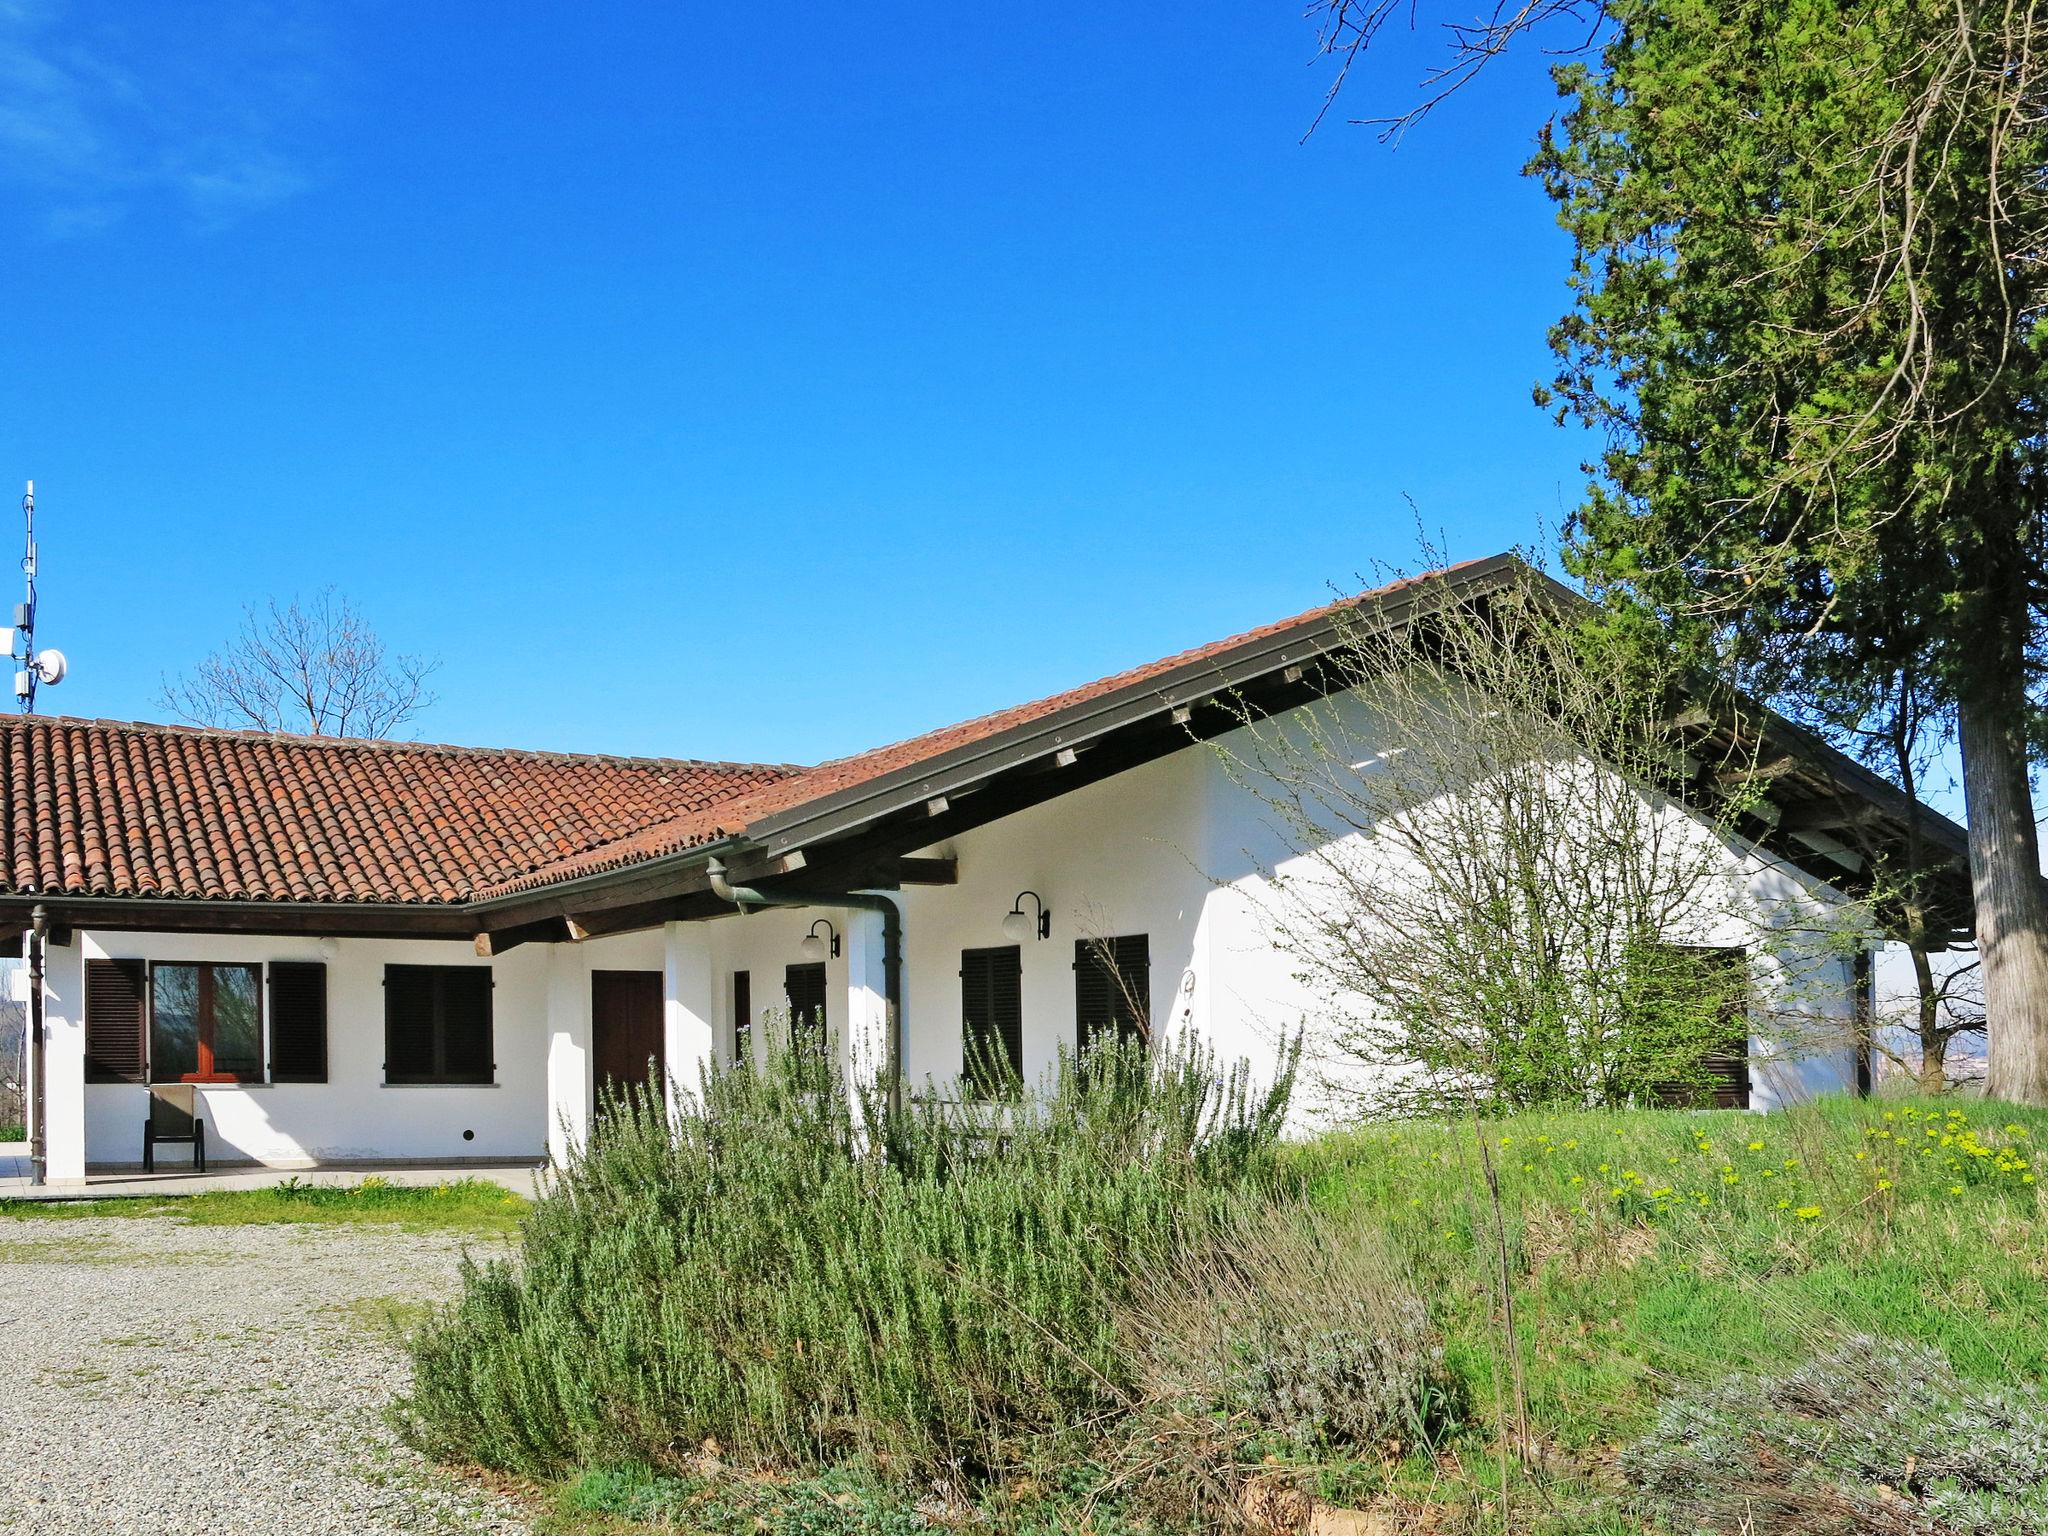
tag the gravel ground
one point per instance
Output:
(216, 1381)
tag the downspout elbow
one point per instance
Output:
(714, 872)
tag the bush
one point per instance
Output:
(793, 1277)
(1872, 1436)
(1284, 1336)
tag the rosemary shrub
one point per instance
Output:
(786, 1275)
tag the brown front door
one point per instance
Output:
(625, 1030)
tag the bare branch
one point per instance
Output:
(312, 668)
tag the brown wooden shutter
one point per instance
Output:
(409, 1024)
(298, 1021)
(742, 1015)
(116, 1021)
(1112, 989)
(466, 1024)
(992, 1018)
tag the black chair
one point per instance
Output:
(171, 1118)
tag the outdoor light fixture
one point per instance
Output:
(813, 947)
(1019, 925)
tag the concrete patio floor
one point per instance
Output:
(107, 1184)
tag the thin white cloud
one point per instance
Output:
(101, 113)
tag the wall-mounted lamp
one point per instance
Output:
(814, 948)
(1019, 925)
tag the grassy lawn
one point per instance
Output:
(464, 1205)
(1649, 1250)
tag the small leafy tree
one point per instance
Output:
(314, 667)
(1511, 878)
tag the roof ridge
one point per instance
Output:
(387, 744)
(1142, 671)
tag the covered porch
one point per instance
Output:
(424, 1053)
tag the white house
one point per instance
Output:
(362, 951)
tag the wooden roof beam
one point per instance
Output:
(494, 942)
(1829, 815)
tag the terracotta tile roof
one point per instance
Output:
(116, 808)
(852, 772)
(113, 808)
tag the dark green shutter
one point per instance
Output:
(742, 1015)
(1112, 989)
(437, 1024)
(805, 987)
(116, 1021)
(409, 1024)
(298, 1021)
(466, 1024)
(992, 1019)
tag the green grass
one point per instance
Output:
(1651, 1249)
(465, 1205)
(10, 1132)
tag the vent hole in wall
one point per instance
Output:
(469, 1135)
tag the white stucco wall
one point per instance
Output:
(540, 1029)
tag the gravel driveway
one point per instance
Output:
(177, 1380)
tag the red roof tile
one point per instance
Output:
(112, 808)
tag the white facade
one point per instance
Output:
(1173, 850)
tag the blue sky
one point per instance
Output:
(758, 384)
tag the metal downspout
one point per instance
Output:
(744, 896)
(38, 1146)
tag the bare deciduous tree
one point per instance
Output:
(1512, 874)
(312, 667)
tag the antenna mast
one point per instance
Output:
(30, 665)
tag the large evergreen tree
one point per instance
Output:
(1808, 279)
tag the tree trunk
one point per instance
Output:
(1933, 1037)
(2005, 878)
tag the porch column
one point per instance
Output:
(689, 1008)
(569, 1081)
(865, 1054)
(64, 1063)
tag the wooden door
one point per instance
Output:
(625, 1030)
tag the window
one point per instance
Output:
(1719, 977)
(1112, 990)
(805, 987)
(992, 1020)
(742, 1016)
(205, 1023)
(437, 1024)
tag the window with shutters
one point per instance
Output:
(805, 988)
(742, 1016)
(1112, 990)
(992, 1020)
(437, 1024)
(298, 1021)
(205, 1023)
(1724, 1071)
(116, 1021)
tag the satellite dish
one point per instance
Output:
(51, 666)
